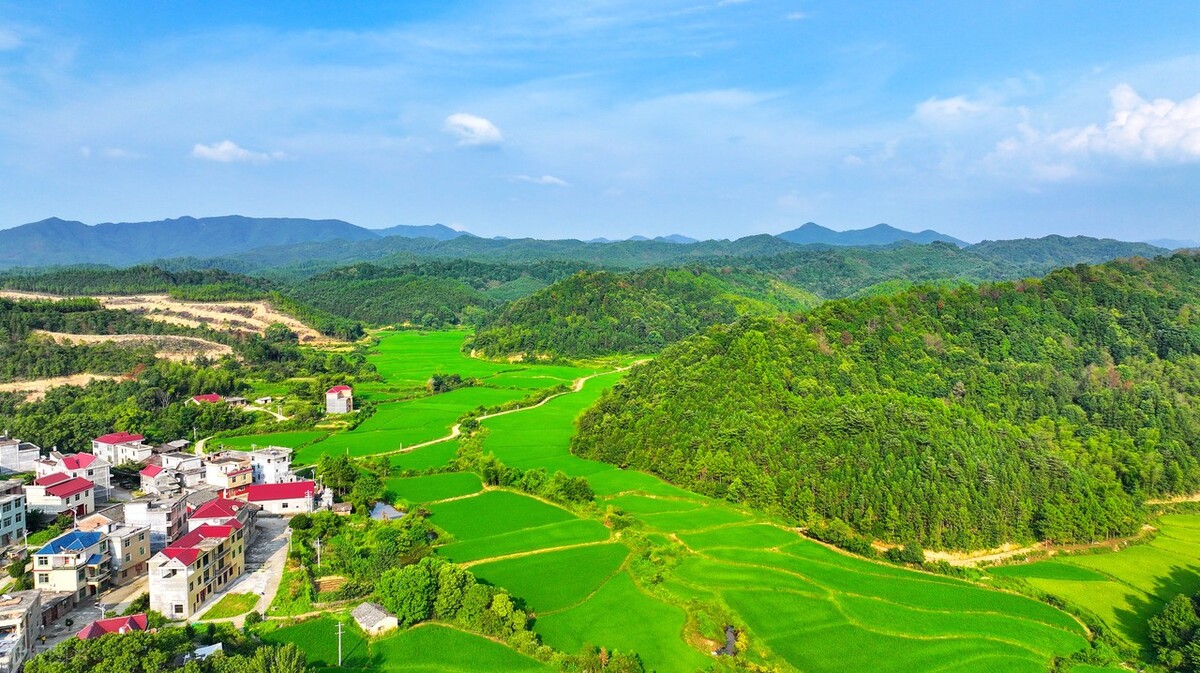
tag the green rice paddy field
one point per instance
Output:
(1125, 588)
(811, 607)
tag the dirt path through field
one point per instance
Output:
(456, 430)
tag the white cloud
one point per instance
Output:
(228, 151)
(473, 131)
(726, 3)
(1161, 129)
(942, 110)
(548, 180)
(796, 16)
(118, 153)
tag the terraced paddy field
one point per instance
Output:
(798, 602)
(1125, 588)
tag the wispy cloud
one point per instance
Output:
(796, 16)
(549, 180)
(227, 152)
(473, 130)
(939, 110)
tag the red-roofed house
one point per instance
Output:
(103, 627)
(115, 625)
(221, 510)
(155, 479)
(339, 400)
(293, 498)
(121, 447)
(209, 398)
(57, 493)
(196, 567)
(86, 465)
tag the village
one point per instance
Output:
(193, 527)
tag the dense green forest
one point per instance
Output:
(595, 313)
(953, 417)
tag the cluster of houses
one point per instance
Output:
(187, 532)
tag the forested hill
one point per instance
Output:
(958, 418)
(1033, 255)
(596, 313)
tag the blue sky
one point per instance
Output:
(609, 118)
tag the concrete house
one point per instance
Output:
(83, 465)
(58, 493)
(209, 398)
(76, 562)
(128, 546)
(221, 510)
(154, 479)
(374, 619)
(12, 512)
(339, 400)
(272, 465)
(118, 448)
(164, 516)
(296, 497)
(20, 614)
(195, 567)
(17, 456)
(228, 470)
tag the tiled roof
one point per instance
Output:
(75, 461)
(75, 540)
(184, 549)
(119, 438)
(338, 389)
(150, 471)
(104, 627)
(52, 479)
(219, 508)
(67, 489)
(292, 491)
(210, 397)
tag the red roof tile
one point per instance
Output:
(296, 489)
(67, 489)
(76, 461)
(220, 508)
(150, 471)
(185, 555)
(103, 627)
(119, 438)
(210, 397)
(52, 479)
(338, 389)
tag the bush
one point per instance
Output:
(253, 617)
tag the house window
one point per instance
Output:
(43, 578)
(43, 561)
(127, 558)
(141, 537)
(285, 505)
(20, 516)
(177, 608)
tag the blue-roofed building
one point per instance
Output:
(77, 562)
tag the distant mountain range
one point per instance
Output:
(1173, 243)
(880, 234)
(244, 244)
(56, 242)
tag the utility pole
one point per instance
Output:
(339, 644)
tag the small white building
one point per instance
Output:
(121, 447)
(339, 400)
(272, 465)
(374, 619)
(17, 456)
(128, 546)
(76, 562)
(296, 497)
(85, 465)
(57, 493)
